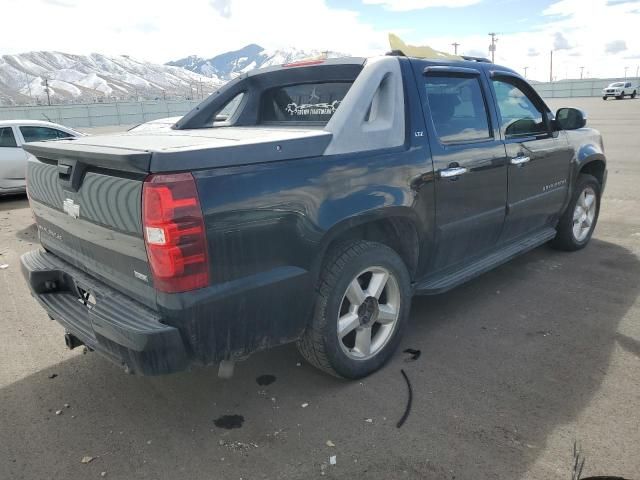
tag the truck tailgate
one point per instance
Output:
(87, 206)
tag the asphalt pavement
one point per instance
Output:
(515, 367)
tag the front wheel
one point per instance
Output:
(604, 97)
(576, 225)
(362, 306)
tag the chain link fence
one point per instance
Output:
(578, 88)
(100, 114)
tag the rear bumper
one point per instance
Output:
(124, 331)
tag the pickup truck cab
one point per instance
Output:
(328, 194)
(620, 90)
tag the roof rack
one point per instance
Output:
(399, 53)
(477, 59)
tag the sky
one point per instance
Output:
(599, 35)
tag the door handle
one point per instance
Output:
(452, 172)
(520, 160)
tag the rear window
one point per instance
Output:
(308, 103)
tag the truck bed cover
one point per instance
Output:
(193, 149)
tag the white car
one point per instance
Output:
(620, 90)
(13, 159)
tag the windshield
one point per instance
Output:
(618, 84)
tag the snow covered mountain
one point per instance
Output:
(95, 77)
(231, 64)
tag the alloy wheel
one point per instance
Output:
(369, 313)
(584, 214)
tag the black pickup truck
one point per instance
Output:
(304, 203)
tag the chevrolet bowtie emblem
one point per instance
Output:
(71, 208)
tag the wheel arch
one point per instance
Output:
(397, 228)
(595, 167)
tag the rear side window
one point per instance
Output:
(458, 108)
(6, 138)
(307, 103)
(37, 134)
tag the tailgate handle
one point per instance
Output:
(64, 170)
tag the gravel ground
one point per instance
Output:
(516, 366)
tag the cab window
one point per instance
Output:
(309, 103)
(37, 134)
(519, 115)
(6, 138)
(458, 109)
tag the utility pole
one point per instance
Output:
(492, 47)
(581, 72)
(525, 71)
(551, 69)
(625, 72)
(46, 88)
(455, 46)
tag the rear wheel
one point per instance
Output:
(362, 305)
(576, 225)
(633, 95)
(604, 98)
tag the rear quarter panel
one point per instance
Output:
(268, 227)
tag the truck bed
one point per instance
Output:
(201, 148)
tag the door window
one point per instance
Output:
(6, 138)
(458, 109)
(520, 117)
(37, 134)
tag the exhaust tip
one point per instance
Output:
(71, 341)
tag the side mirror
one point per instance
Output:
(570, 119)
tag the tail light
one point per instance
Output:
(174, 232)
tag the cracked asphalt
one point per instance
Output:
(516, 366)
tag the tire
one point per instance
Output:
(620, 97)
(604, 98)
(570, 237)
(633, 95)
(348, 273)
